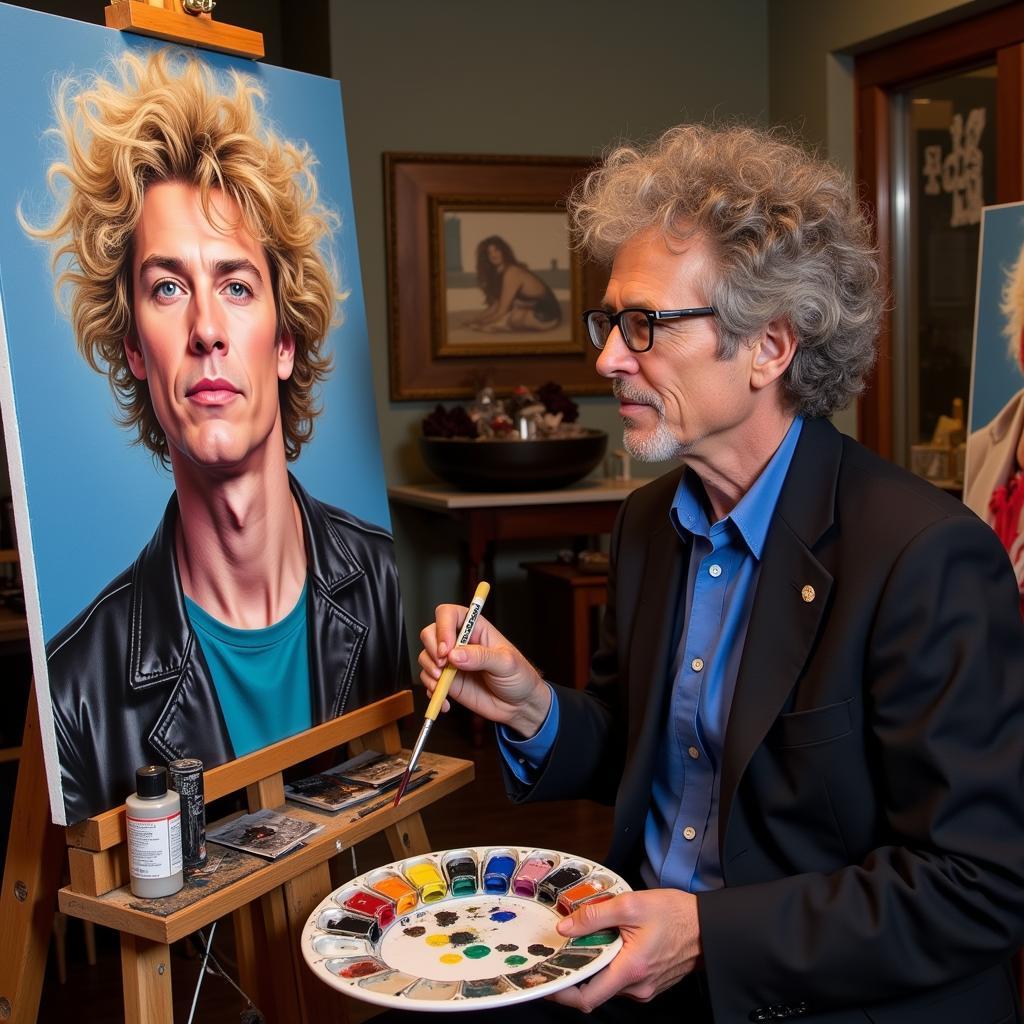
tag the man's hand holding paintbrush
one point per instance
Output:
(494, 680)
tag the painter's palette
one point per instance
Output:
(461, 929)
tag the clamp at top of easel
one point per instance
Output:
(183, 21)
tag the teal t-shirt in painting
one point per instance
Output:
(261, 675)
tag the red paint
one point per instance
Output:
(361, 969)
(372, 906)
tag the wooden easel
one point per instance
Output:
(270, 901)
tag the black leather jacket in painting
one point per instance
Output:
(130, 686)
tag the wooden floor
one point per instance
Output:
(477, 815)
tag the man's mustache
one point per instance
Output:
(625, 391)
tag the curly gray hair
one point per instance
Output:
(788, 237)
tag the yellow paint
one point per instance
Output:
(437, 940)
(450, 958)
(427, 880)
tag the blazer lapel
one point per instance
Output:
(792, 593)
(651, 648)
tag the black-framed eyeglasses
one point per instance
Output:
(636, 325)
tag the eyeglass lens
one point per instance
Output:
(633, 323)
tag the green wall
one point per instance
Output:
(542, 78)
(810, 67)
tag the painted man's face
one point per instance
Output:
(205, 335)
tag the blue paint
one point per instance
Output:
(503, 915)
(498, 873)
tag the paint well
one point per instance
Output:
(461, 874)
(596, 938)
(498, 873)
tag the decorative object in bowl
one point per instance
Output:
(494, 464)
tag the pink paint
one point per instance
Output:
(532, 871)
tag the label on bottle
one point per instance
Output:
(154, 846)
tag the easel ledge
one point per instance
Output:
(108, 829)
(120, 910)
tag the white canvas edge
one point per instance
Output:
(33, 609)
(985, 210)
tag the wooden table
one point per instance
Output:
(564, 594)
(483, 519)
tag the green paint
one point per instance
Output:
(476, 952)
(597, 938)
(515, 961)
(463, 887)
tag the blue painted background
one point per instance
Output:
(997, 378)
(94, 499)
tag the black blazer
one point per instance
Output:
(872, 784)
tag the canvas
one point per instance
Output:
(993, 477)
(88, 499)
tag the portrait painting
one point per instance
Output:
(510, 282)
(188, 406)
(994, 468)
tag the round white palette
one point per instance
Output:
(397, 937)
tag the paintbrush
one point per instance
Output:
(443, 685)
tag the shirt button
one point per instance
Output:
(697, 664)
(715, 570)
(693, 752)
(689, 832)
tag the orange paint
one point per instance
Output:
(398, 890)
(589, 891)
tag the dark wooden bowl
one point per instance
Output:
(490, 465)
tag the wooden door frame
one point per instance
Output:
(998, 37)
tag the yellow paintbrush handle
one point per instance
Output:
(444, 683)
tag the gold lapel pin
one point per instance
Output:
(807, 593)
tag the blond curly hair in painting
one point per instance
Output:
(167, 118)
(1012, 308)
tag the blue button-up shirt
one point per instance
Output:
(681, 830)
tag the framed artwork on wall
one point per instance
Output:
(484, 285)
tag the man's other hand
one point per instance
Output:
(660, 945)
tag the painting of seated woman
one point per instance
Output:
(509, 282)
